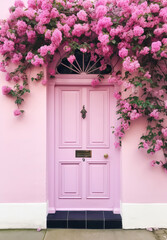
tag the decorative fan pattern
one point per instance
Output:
(82, 64)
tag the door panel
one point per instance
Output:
(69, 122)
(98, 118)
(82, 182)
(70, 177)
(98, 181)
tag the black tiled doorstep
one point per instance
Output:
(84, 219)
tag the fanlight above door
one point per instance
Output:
(82, 64)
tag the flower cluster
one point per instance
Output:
(134, 31)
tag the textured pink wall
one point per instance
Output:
(23, 148)
(141, 183)
(23, 153)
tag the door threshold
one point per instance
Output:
(84, 220)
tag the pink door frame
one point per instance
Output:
(73, 80)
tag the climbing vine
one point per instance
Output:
(133, 30)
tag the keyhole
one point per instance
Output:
(83, 159)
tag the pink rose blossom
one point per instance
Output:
(15, 78)
(21, 88)
(21, 27)
(144, 51)
(56, 37)
(71, 59)
(145, 145)
(95, 82)
(158, 145)
(134, 115)
(154, 114)
(19, 3)
(17, 112)
(67, 48)
(152, 164)
(6, 90)
(165, 104)
(16, 58)
(164, 132)
(82, 15)
(87, 4)
(147, 75)
(37, 61)
(84, 50)
(123, 52)
(117, 95)
(130, 64)
(29, 56)
(101, 11)
(138, 31)
(155, 46)
(154, 8)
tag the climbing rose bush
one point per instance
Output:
(133, 30)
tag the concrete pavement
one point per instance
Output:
(83, 234)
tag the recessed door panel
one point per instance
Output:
(98, 180)
(98, 118)
(70, 177)
(69, 118)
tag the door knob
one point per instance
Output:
(106, 156)
(83, 159)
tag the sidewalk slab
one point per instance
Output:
(22, 235)
(85, 234)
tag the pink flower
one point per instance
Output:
(147, 75)
(152, 164)
(71, 59)
(84, 50)
(67, 48)
(29, 56)
(145, 145)
(17, 112)
(154, 114)
(117, 95)
(134, 115)
(37, 61)
(164, 132)
(138, 31)
(19, 3)
(130, 65)
(16, 57)
(6, 90)
(43, 50)
(8, 46)
(82, 15)
(165, 104)
(15, 78)
(21, 88)
(158, 145)
(156, 46)
(95, 82)
(101, 11)
(144, 51)
(56, 37)
(123, 52)
(154, 8)
(21, 27)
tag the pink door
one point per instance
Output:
(83, 182)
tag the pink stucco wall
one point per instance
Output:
(141, 183)
(23, 153)
(23, 148)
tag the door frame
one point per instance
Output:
(73, 80)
